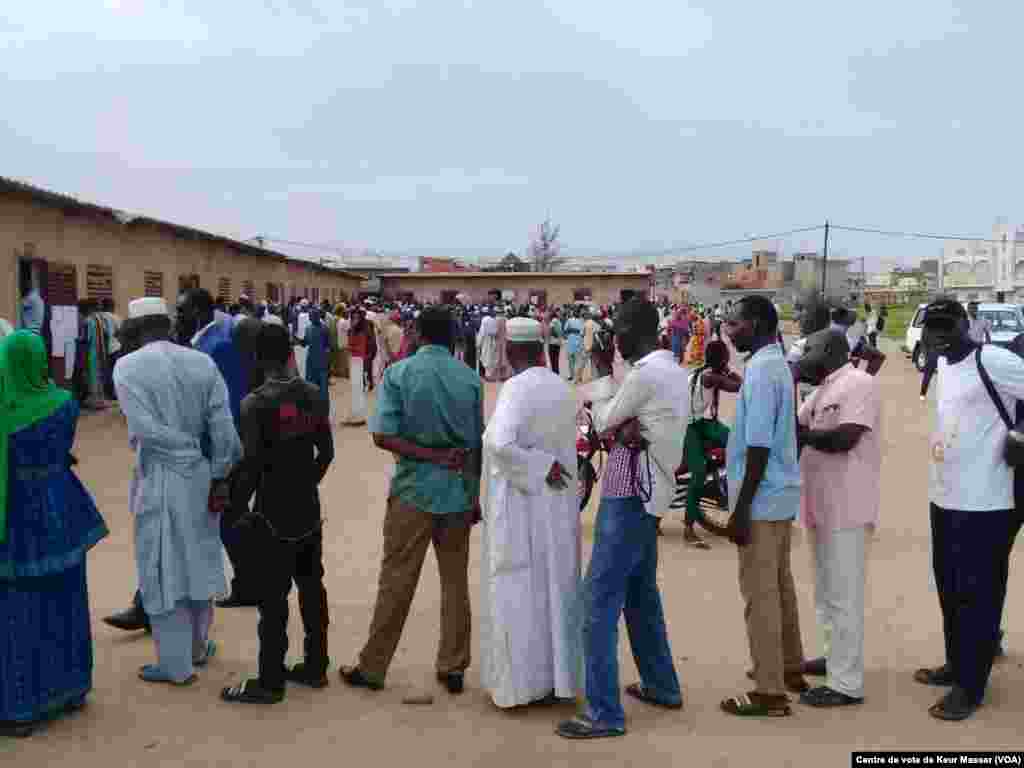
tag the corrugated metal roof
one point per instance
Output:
(68, 203)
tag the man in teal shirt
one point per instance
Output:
(429, 414)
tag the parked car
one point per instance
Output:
(912, 341)
(1007, 323)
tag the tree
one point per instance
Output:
(545, 247)
(510, 263)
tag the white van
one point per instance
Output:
(1007, 323)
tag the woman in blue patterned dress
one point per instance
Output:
(48, 522)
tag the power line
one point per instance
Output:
(919, 235)
(740, 241)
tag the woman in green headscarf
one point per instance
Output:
(48, 521)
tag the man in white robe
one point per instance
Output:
(180, 424)
(487, 343)
(301, 326)
(531, 641)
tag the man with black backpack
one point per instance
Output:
(974, 516)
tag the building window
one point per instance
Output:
(99, 281)
(153, 284)
(62, 285)
(581, 294)
(224, 290)
(448, 297)
(271, 292)
(249, 288)
(187, 282)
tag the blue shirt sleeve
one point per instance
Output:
(387, 416)
(763, 397)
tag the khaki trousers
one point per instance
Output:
(769, 595)
(408, 532)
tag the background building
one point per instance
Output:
(71, 251)
(986, 271)
(542, 288)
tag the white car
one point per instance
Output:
(1007, 322)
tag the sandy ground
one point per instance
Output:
(131, 723)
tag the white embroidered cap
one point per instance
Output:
(522, 330)
(150, 306)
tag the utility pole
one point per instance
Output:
(824, 266)
(863, 282)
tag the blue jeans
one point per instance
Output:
(622, 577)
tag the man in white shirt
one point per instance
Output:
(529, 628)
(648, 414)
(973, 514)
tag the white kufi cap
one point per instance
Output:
(150, 306)
(522, 330)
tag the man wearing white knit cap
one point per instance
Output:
(180, 425)
(531, 642)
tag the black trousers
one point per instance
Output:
(971, 559)
(471, 352)
(554, 355)
(282, 563)
(237, 542)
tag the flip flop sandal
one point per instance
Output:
(297, 673)
(15, 730)
(211, 651)
(637, 691)
(251, 692)
(939, 676)
(151, 673)
(354, 676)
(583, 727)
(828, 697)
(745, 705)
(793, 684)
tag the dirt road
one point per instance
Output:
(128, 723)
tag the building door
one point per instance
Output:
(448, 297)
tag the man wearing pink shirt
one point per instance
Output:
(840, 463)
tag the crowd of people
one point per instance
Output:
(229, 414)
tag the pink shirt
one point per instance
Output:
(841, 490)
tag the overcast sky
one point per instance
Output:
(447, 126)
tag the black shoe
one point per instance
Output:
(131, 620)
(453, 681)
(814, 668)
(235, 601)
(302, 675)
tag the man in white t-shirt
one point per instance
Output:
(973, 515)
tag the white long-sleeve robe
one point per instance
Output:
(530, 629)
(487, 343)
(179, 420)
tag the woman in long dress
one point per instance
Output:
(696, 356)
(502, 370)
(48, 522)
(342, 326)
(358, 347)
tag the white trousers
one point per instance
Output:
(839, 560)
(357, 414)
(300, 360)
(181, 637)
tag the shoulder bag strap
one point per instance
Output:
(996, 399)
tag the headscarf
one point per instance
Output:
(27, 395)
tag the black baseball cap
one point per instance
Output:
(943, 311)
